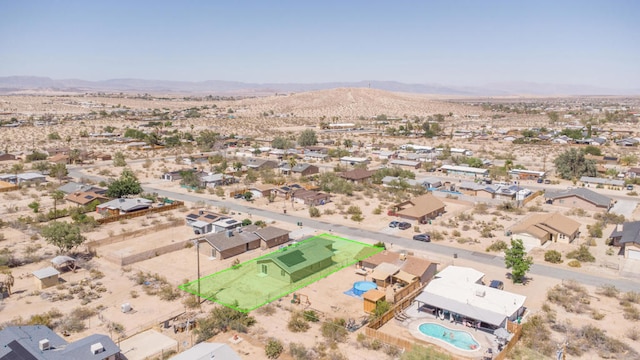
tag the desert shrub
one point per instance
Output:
(314, 212)
(334, 330)
(311, 316)
(464, 217)
(392, 351)
(597, 315)
(574, 264)
(222, 318)
(537, 335)
(595, 230)
(456, 233)
(571, 296)
(631, 312)
(381, 308)
(497, 246)
(553, 257)
(380, 244)
(418, 352)
(633, 333)
(273, 349)
(266, 310)
(377, 211)
(608, 290)
(297, 322)
(582, 254)
(481, 208)
(191, 302)
(437, 235)
(299, 352)
(632, 297)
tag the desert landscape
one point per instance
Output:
(490, 164)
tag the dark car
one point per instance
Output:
(540, 180)
(497, 284)
(238, 196)
(394, 224)
(404, 225)
(422, 237)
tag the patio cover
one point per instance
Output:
(383, 271)
(61, 260)
(405, 277)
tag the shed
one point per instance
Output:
(371, 299)
(46, 277)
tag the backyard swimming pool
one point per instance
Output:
(460, 339)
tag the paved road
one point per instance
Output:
(276, 213)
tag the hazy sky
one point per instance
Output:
(447, 42)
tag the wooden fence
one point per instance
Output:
(532, 197)
(9, 188)
(145, 255)
(396, 309)
(130, 234)
(405, 291)
(134, 214)
(516, 330)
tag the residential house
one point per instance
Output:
(316, 149)
(297, 262)
(229, 243)
(261, 190)
(272, 236)
(357, 175)
(83, 198)
(226, 224)
(405, 164)
(458, 296)
(175, 175)
(7, 157)
(59, 159)
(421, 208)
(38, 342)
(628, 142)
(581, 198)
(351, 160)
(474, 189)
(526, 174)
(537, 229)
(310, 197)
(299, 169)
(398, 182)
(285, 191)
(123, 206)
(72, 187)
(633, 173)
(628, 239)
(58, 151)
(602, 182)
(208, 351)
(213, 180)
(423, 269)
(464, 170)
(30, 178)
(259, 164)
(308, 156)
(202, 221)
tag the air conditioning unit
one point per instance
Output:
(44, 344)
(97, 348)
(480, 293)
(125, 308)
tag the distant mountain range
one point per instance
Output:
(20, 84)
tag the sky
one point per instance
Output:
(455, 42)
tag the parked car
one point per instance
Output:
(547, 181)
(540, 180)
(629, 187)
(422, 237)
(497, 284)
(238, 196)
(404, 225)
(394, 224)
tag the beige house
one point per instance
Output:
(421, 209)
(537, 229)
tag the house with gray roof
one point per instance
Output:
(602, 181)
(123, 206)
(257, 164)
(208, 351)
(300, 169)
(579, 198)
(230, 243)
(628, 239)
(38, 342)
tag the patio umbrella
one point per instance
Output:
(501, 333)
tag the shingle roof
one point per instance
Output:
(221, 241)
(270, 232)
(422, 205)
(585, 194)
(630, 233)
(540, 225)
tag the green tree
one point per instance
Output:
(307, 138)
(553, 117)
(118, 159)
(63, 235)
(281, 143)
(516, 259)
(208, 140)
(292, 163)
(190, 179)
(54, 136)
(572, 164)
(35, 206)
(347, 143)
(127, 184)
(59, 171)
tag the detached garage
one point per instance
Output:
(632, 251)
(628, 238)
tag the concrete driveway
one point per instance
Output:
(624, 207)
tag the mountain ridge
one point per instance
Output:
(9, 84)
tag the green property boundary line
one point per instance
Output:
(265, 292)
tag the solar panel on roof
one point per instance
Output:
(192, 216)
(210, 216)
(230, 221)
(88, 197)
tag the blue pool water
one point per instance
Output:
(361, 287)
(460, 339)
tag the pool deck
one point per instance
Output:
(416, 318)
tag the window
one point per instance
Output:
(281, 272)
(264, 268)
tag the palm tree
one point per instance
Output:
(292, 163)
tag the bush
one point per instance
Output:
(608, 291)
(582, 254)
(273, 349)
(553, 257)
(334, 330)
(297, 322)
(497, 246)
(299, 352)
(574, 263)
(311, 315)
(314, 212)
